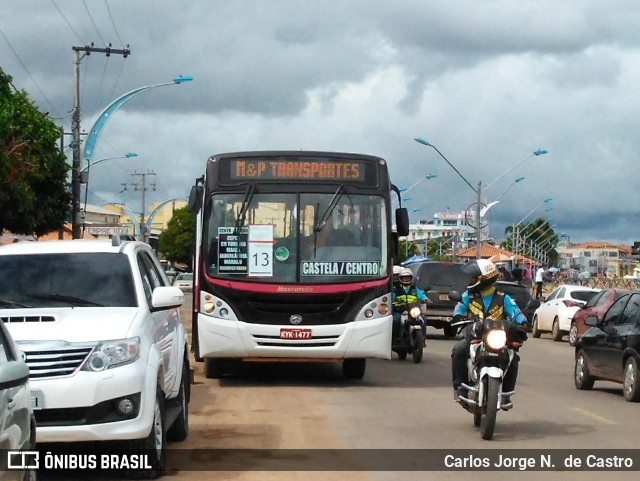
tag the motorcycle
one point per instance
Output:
(410, 339)
(491, 354)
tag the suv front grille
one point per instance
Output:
(62, 360)
(28, 319)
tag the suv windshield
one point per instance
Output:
(441, 276)
(62, 280)
(296, 238)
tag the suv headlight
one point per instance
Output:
(109, 354)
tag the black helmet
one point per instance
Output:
(482, 274)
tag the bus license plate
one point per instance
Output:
(288, 333)
(37, 399)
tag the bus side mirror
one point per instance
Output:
(195, 199)
(402, 221)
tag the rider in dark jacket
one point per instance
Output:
(481, 299)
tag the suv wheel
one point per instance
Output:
(155, 443)
(179, 430)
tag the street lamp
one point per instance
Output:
(84, 177)
(429, 176)
(485, 209)
(92, 138)
(478, 190)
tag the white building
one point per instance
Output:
(445, 225)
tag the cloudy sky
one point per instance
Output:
(486, 82)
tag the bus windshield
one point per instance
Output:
(307, 238)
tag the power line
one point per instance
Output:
(94, 23)
(113, 23)
(29, 74)
(68, 23)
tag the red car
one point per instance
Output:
(596, 306)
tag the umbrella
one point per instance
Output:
(552, 269)
(413, 260)
(500, 258)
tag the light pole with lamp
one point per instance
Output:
(478, 190)
(515, 230)
(485, 210)
(132, 215)
(84, 178)
(92, 138)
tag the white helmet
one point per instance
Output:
(396, 272)
(406, 277)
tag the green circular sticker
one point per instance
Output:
(282, 253)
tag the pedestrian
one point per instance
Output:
(539, 281)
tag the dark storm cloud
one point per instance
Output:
(487, 82)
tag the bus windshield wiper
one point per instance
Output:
(251, 190)
(8, 303)
(332, 205)
(62, 298)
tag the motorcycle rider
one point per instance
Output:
(481, 299)
(396, 276)
(404, 296)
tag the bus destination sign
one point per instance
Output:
(311, 170)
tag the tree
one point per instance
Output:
(34, 198)
(176, 241)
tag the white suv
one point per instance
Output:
(100, 326)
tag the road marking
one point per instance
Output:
(593, 416)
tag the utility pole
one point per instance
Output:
(78, 54)
(143, 189)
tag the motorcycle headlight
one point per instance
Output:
(109, 354)
(415, 312)
(496, 339)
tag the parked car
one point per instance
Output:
(17, 422)
(555, 313)
(522, 297)
(596, 306)
(610, 349)
(184, 281)
(100, 326)
(437, 279)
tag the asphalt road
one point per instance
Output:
(399, 406)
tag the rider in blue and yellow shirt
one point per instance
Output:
(405, 295)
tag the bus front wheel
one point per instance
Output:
(354, 368)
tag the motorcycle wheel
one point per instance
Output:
(490, 409)
(477, 417)
(418, 346)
